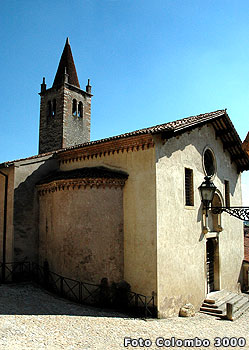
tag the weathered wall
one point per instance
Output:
(27, 173)
(64, 129)
(245, 276)
(76, 130)
(181, 264)
(10, 200)
(51, 127)
(81, 232)
(139, 212)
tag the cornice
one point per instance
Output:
(133, 143)
(75, 184)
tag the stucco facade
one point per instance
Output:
(81, 232)
(139, 209)
(181, 243)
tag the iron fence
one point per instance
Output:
(100, 295)
(81, 292)
(15, 272)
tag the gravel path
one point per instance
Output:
(34, 319)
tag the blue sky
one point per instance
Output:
(149, 62)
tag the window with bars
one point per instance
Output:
(189, 188)
(227, 193)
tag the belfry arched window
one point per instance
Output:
(80, 110)
(49, 109)
(54, 107)
(74, 107)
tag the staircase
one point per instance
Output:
(216, 304)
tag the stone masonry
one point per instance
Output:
(65, 109)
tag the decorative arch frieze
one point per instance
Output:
(74, 184)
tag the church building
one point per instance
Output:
(126, 207)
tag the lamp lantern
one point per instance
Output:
(207, 190)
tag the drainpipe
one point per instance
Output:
(4, 225)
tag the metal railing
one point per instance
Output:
(15, 272)
(81, 292)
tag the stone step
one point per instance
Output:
(215, 304)
(239, 308)
(240, 303)
(233, 300)
(240, 311)
(211, 306)
(215, 297)
(213, 314)
(212, 310)
(221, 301)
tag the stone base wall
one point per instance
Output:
(81, 232)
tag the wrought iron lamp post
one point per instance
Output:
(207, 190)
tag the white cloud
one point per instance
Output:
(245, 189)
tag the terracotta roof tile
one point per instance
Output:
(177, 125)
(173, 127)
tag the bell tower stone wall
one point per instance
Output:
(65, 109)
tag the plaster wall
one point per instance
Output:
(181, 254)
(10, 200)
(139, 213)
(81, 232)
(25, 212)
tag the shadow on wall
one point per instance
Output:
(26, 208)
(179, 145)
(27, 299)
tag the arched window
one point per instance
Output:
(80, 110)
(49, 109)
(74, 107)
(54, 107)
(209, 162)
(215, 219)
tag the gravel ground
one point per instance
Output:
(31, 318)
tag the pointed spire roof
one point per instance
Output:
(66, 65)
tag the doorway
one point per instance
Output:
(212, 264)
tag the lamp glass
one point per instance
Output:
(207, 189)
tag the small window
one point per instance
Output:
(54, 107)
(74, 108)
(80, 110)
(49, 109)
(227, 193)
(189, 188)
(209, 162)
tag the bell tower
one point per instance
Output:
(65, 109)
